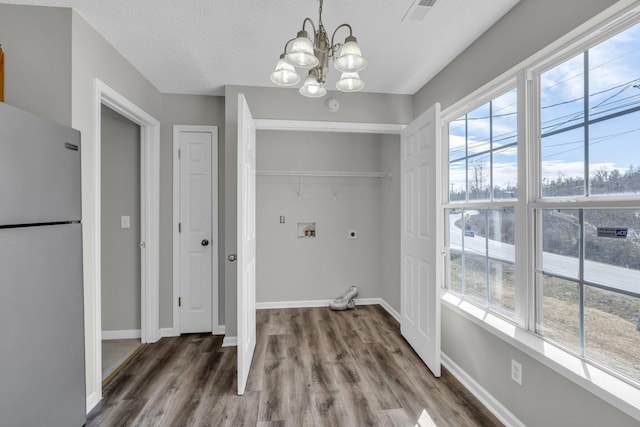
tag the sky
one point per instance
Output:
(613, 86)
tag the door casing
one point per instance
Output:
(149, 225)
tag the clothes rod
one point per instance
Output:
(325, 174)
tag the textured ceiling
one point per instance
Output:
(198, 46)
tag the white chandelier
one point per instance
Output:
(303, 53)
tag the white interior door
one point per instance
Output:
(421, 267)
(246, 241)
(196, 238)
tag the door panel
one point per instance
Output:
(246, 241)
(421, 234)
(196, 219)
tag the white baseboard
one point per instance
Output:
(121, 335)
(168, 332)
(292, 304)
(230, 341)
(389, 309)
(325, 303)
(218, 331)
(492, 404)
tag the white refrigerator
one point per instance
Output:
(42, 369)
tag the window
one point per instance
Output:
(588, 257)
(562, 259)
(483, 169)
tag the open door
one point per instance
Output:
(246, 241)
(421, 265)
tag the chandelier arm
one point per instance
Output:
(312, 24)
(287, 44)
(335, 47)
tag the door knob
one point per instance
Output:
(232, 257)
(204, 242)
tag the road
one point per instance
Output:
(623, 279)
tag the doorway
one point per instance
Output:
(149, 225)
(246, 299)
(120, 245)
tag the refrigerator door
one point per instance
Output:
(42, 372)
(39, 169)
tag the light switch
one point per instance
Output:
(125, 221)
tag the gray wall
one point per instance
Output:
(120, 183)
(546, 398)
(279, 103)
(185, 110)
(321, 268)
(37, 49)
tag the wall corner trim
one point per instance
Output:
(92, 401)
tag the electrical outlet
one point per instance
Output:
(352, 234)
(281, 219)
(125, 221)
(516, 372)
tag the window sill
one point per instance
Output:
(616, 392)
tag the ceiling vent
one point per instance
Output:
(418, 10)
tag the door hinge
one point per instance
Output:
(179, 227)
(179, 301)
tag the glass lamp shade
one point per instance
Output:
(349, 82)
(312, 88)
(350, 58)
(285, 74)
(301, 53)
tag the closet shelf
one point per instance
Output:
(325, 174)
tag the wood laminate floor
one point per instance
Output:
(311, 367)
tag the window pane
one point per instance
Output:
(613, 74)
(502, 288)
(561, 242)
(458, 181)
(501, 230)
(478, 169)
(612, 335)
(562, 95)
(478, 130)
(612, 249)
(457, 139)
(614, 153)
(475, 278)
(563, 164)
(475, 231)
(505, 173)
(559, 317)
(504, 119)
(455, 264)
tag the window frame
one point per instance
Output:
(521, 333)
